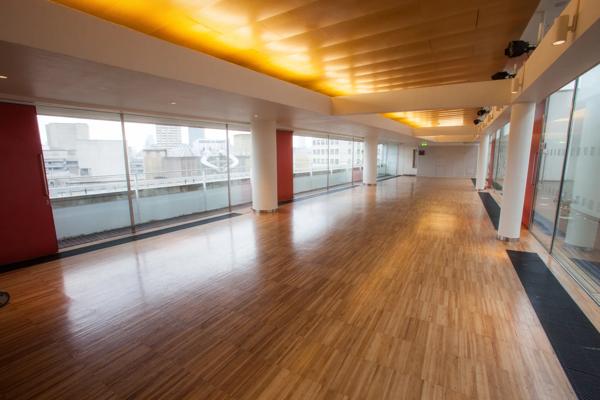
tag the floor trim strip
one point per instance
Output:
(571, 334)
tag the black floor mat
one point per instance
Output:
(492, 208)
(573, 337)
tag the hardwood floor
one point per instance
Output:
(399, 291)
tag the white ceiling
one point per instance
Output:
(50, 78)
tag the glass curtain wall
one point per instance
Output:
(172, 171)
(357, 160)
(322, 162)
(85, 168)
(391, 165)
(577, 242)
(500, 157)
(310, 163)
(381, 159)
(240, 164)
(340, 161)
(387, 160)
(566, 211)
(176, 170)
(551, 163)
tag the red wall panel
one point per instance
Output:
(26, 223)
(285, 165)
(538, 124)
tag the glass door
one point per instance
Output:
(551, 164)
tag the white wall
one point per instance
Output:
(448, 161)
(405, 160)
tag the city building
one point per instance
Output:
(168, 136)
(300, 199)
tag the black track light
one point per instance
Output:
(502, 75)
(482, 111)
(517, 48)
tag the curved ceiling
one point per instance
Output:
(336, 47)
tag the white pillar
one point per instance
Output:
(482, 161)
(264, 165)
(517, 163)
(370, 167)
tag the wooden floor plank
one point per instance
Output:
(399, 291)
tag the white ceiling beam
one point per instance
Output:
(460, 95)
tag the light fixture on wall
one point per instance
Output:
(562, 27)
(3, 77)
(515, 86)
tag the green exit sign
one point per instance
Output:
(424, 144)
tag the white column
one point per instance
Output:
(370, 167)
(482, 161)
(264, 165)
(517, 163)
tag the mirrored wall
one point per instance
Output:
(111, 174)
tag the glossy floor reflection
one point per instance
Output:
(395, 291)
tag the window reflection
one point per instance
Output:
(577, 240)
(551, 163)
(500, 158)
(387, 160)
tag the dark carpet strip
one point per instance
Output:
(573, 337)
(474, 181)
(115, 242)
(492, 208)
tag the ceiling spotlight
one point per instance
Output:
(3, 77)
(502, 75)
(482, 111)
(173, 103)
(561, 29)
(517, 48)
(477, 121)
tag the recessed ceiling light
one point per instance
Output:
(3, 77)
(255, 115)
(173, 103)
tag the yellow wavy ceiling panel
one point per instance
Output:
(336, 47)
(434, 118)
